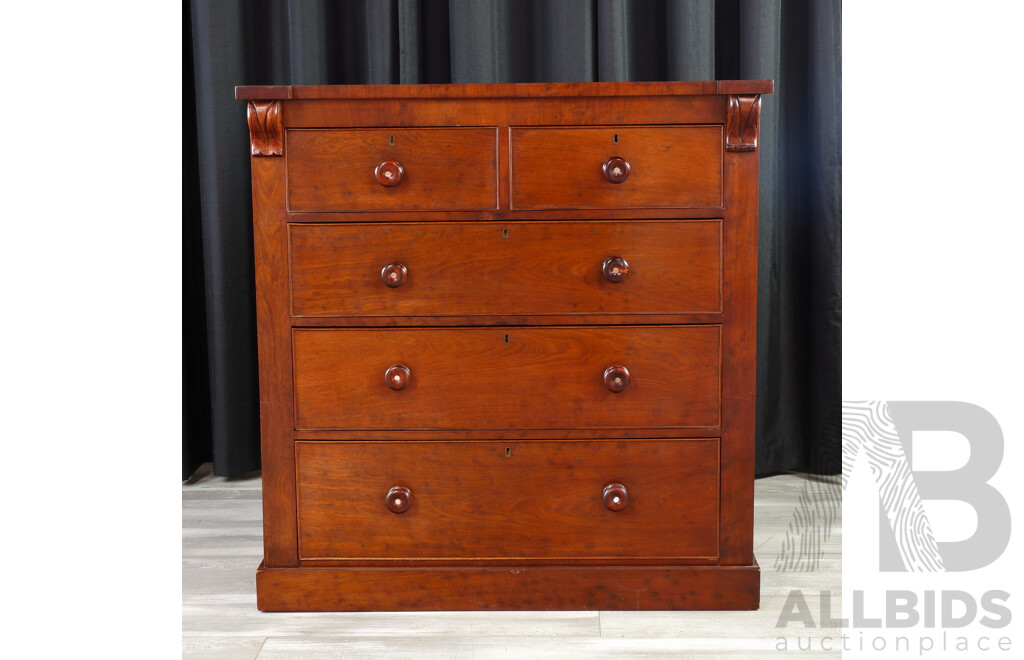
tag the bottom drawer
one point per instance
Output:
(508, 500)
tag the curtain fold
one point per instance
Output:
(796, 43)
(222, 144)
(692, 58)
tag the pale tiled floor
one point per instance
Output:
(222, 545)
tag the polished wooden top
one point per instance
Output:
(524, 90)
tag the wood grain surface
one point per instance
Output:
(275, 361)
(222, 546)
(528, 268)
(519, 500)
(669, 166)
(739, 359)
(442, 168)
(483, 273)
(488, 588)
(506, 90)
(507, 378)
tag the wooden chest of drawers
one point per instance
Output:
(506, 343)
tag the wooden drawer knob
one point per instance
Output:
(399, 498)
(616, 498)
(616, 169)
(615, 269)
(397, 376)
(394, 275)
(616, 378)
(389, 173)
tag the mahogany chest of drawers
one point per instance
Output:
(506, 344)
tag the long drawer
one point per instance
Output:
(507, 377)
(527, 268)
(516, 500)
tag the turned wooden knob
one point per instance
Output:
(397, 376)
(615, 269)
(399, 498)
(393, 275)
(616, 498)
(389, 173)
(616, 169)
(616, 378)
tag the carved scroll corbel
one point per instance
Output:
(743, 123)
(265, 129)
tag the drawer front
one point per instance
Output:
(507, 377)
(531, 500)
(527, 268)
(361, 170)
(662, 166)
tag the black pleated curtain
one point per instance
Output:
(268, 42)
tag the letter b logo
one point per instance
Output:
(884, 431)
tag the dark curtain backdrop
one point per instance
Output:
(277, 42)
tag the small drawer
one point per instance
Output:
(521, 268)
(422, 169)
(598, 377)
(508, 500)
(617, 167)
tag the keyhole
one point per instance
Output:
(391, 140)
(504, 233)
(506, 339)
(615, 139)
(508, 452)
